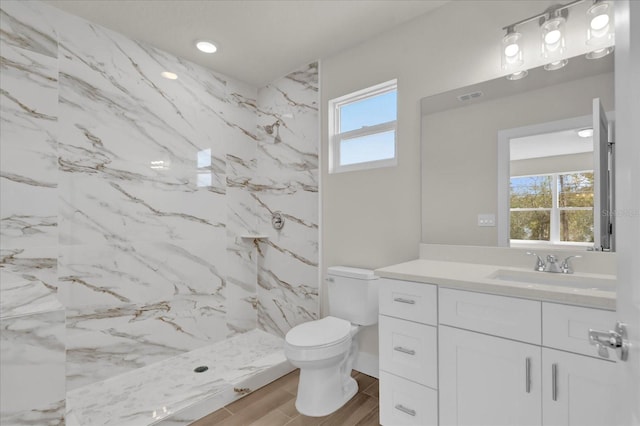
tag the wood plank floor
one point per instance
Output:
(273, 405)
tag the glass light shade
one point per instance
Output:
(518, 75)
(556, 65)
(553, 43)
(512, 55)
(600, 29)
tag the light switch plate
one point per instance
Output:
(486, 219)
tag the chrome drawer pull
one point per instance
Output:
(527, 372)
(405, 410)
(404, 350)
(403, 300)
(554, 382)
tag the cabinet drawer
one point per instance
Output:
(403, 402)
(409, 350)
(408, 300)
(567, 327)
(508, 317)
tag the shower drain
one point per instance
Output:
(201, 369)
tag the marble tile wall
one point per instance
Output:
(287, 181)
(126, 194)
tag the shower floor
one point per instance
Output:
(171, 393)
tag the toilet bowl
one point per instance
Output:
(325, 349)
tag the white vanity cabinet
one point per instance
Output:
(458, 357)
(490, 359)
(511, 361)
(408, 353)
(578, 389)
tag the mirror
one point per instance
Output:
(466, 138)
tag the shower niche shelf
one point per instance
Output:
(254, 237)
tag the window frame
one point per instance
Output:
(335, 137)
(555, 209)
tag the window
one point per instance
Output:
(555, 208)
(362, 129)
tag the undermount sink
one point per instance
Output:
(547, 278)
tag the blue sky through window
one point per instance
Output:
(369, 112)
(379, 146)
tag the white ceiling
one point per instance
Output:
(549, 145)
(260, 40)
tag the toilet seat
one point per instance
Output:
(318, 340)
(327, 331)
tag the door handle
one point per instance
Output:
(554, 382)
(527, 372)
(614, 339)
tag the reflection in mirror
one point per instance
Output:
(462, 159)
(551, 188)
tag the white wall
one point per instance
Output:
(372, 218)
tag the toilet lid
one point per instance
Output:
(321, 332)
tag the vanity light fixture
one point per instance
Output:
(512, 55)
(206, 46)
(169, 75)
(600, 29)
(552, 23)
(552, 27)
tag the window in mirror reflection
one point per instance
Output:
(552, 208)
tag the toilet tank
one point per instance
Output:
(353, 294)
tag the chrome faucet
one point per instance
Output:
(551, 265)
(566, 268)
(539, 266)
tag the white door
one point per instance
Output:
(601, 209)
(577, 390)
(627, 93)
(487, 380)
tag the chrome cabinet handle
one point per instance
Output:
(404, 350)
(403, 300)
(554, 382)
(405, 410)
(527, 372)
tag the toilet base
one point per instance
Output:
(320, 394)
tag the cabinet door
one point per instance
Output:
(577, 390)
(487, 380)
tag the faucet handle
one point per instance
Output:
(539, 266)
(566, 266)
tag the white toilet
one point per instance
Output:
(325, 349)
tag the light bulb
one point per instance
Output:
(512, 57)
(511, 50)
(552, 37)
(599, 22)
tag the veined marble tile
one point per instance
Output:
(121, 274)
(32, 376)
(28, 153)
(125, 338)
(29, 25)
(25, 297)
(293, 101)
(96, 210)
(286, 181)
(30, 264)
(135, 399)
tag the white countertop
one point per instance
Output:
(476, 277)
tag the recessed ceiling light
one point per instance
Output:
(206, 46)
(585, 133)
(169, 75)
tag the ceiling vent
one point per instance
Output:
(469, 96)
